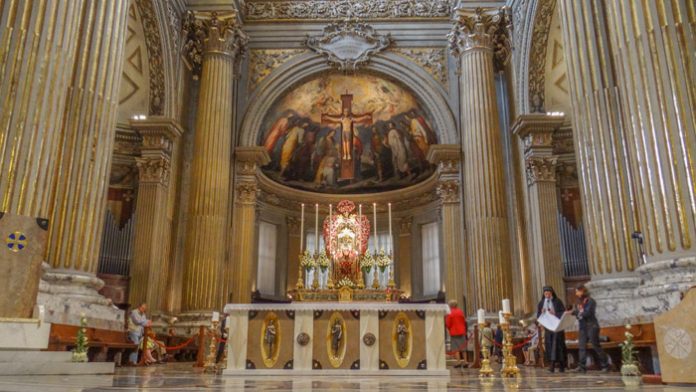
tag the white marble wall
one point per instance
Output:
(26, 334)
(435, 340)
(237, 340)
(302, 356)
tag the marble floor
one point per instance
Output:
(182, 377)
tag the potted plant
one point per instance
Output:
(630, 374)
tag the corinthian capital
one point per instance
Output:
(154, 170)
(541, 169)
(487, 29)
(212, 32)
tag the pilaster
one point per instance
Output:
(150, 267)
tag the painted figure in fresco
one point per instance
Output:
(300, 167)
(269, 337)
(293, 138)
(430, 135)
(398, 149)
(401, 338)
(279, 128)
(418, 132)
(325, 156)
(336, 336)
(347, 121)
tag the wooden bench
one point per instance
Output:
(643, 339)
(104, 345)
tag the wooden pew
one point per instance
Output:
(104, 345)
(643, 339)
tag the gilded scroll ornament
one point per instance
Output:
(263, 61)
(153, 43)
(432, 60)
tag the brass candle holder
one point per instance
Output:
(375, 279)
(210, 365)
(315, 282)
(300, 282)
(486, 369)
(509, 368)
(391, 283)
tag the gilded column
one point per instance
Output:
(241, 271)
(38, 41)
(207, 235)
(653, 46)
(447, 157)
(149, 270)
(479, 39)
(536, 132)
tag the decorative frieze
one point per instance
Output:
(348, 44)
(154, 55)
(485, 29)
(363, 9)
(432, 60)
(537, 54)
(263, 61)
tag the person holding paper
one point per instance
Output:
(589, 330)
(554, 342)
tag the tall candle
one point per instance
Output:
(481, 316)
(374, 221)
(506, 306)
(316, 228)
(330, 215)
(302, 230)
(391, 239)
(501, 318)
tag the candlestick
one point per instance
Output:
(302, 230)
(486, 370)
(330, 245)
(506, 306)
(391, 239)
(316, 229)
(374, 221)
(509, 368)
(481, 316)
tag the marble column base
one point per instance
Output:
(66, 295)
(652, 289)
(188, 323)
(23, 334)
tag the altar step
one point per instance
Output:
(14, 363)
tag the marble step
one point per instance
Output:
(53, 368)
(31, 356)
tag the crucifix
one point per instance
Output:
(347, 120)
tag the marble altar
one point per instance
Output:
(336, 338)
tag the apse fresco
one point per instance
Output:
(347, 134)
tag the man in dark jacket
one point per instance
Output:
(588, 329)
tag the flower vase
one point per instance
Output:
(367, 277)
(323, 277)
(383, 277)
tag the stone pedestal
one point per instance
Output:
(66, 295)
(676, 341)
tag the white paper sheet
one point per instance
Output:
(554, 324)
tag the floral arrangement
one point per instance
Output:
(366, 262)
(323, 261)
(81, 344)
(383, 261)
(307, 261)
(629, 365)
(345, 282)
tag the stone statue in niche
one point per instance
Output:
(270, 337)
(336, 337)
(402, 338)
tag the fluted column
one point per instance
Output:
(447, 157)
(210, 169)
(38, 40)
(87, 139)
(536, 132)
(241, 272)
(149, 270)
(405, 244)
(479, 39)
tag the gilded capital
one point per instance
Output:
(541, 169)
(448, 191)
(247, 192)
(293, 224)
(212, 33)
(482, 29)
(154, 170)
(405, 225)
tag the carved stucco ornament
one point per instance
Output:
(487, 29)
(348, 44)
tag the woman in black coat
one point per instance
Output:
(554, 342)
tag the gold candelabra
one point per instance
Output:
(361, 281)
(486, 370)
(509, 368)
(375, 279)
(391, 283)
(315, 282)
(210, 365)
(300, 282)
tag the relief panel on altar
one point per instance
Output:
(340, 133)
(402, 340)
(337, 340)
(270, 340)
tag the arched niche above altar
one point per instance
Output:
(336, 133)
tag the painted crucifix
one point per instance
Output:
(347, 120)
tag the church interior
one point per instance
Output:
(348, 194)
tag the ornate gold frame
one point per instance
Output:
(270, 359)
(336, 360)
(402, 362)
